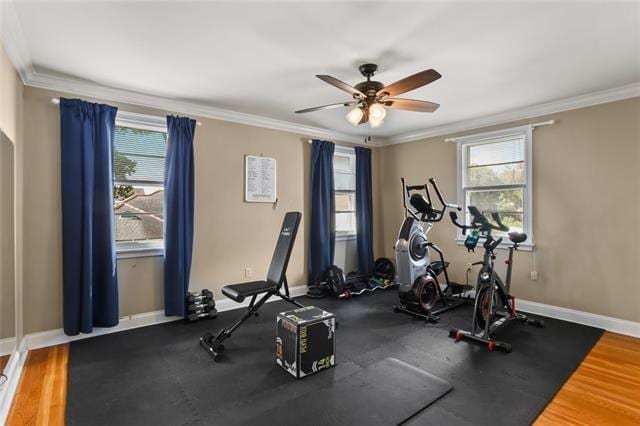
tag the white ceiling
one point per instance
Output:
(261, 58)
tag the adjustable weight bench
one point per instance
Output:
(276, 278)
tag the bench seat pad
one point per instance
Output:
(239, 292)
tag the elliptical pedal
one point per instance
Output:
(424, 315)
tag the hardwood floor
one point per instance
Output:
(41, 398)
(604, 389)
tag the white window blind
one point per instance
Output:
(139, 156)
(494, 175)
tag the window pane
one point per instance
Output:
(138, 212)
(342, 163)
(505, 200)
(508, 202)
(345, 202)
(346, 222)
(344, 182)
(505, 174)
(139, 155)
(506, 151)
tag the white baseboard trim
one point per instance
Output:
(7, 345)
(56, 337)
(13, 371)
(615, 325)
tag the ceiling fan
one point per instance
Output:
(371, 97)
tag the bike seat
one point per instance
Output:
(517, 237)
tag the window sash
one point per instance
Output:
(463, 143)
(349, 193)
(149, 123)
(350, 176)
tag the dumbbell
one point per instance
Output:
(195, 316)
(203, 297)
(193, 307)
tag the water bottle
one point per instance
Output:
(472, 240)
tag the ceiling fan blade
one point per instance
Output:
(412, 82)
(318, 108)
(341, 85)
(411, 105)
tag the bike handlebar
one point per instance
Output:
(454, 219)
(501, 226)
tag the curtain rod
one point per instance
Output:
(532, 125)
(56, 101)
(310, 141)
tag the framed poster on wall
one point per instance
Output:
(259, 179)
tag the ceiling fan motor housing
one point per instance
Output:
(369, 88)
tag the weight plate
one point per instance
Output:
(335, 279)
(384, 268)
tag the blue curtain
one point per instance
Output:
(323, 211)
(178, 213)
(90, 284)
(364, 211)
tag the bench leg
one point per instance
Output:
(287, 298)
(213, 345)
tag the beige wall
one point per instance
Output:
(10, 98)
(585, 166)
(7, 241)
(586, 195)
(11, 125)
(230, 235)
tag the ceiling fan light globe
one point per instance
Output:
(377, 113)
(375, 123)
(354, 116)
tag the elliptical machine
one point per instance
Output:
(494, 306)
(418, 287)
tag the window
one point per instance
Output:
(494, 174)
(344, 176)
(138, 182)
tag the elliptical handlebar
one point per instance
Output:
(432, 181)
(433, 214)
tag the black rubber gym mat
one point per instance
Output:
(388, 392)
(159, 375)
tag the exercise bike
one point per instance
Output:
(418, 287)
(494, 306)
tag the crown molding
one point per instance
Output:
(533, 111)
(97, 91)
(13, 40)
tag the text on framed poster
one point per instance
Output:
(260, 179)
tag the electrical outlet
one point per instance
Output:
(248, 272)
(534, 275)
